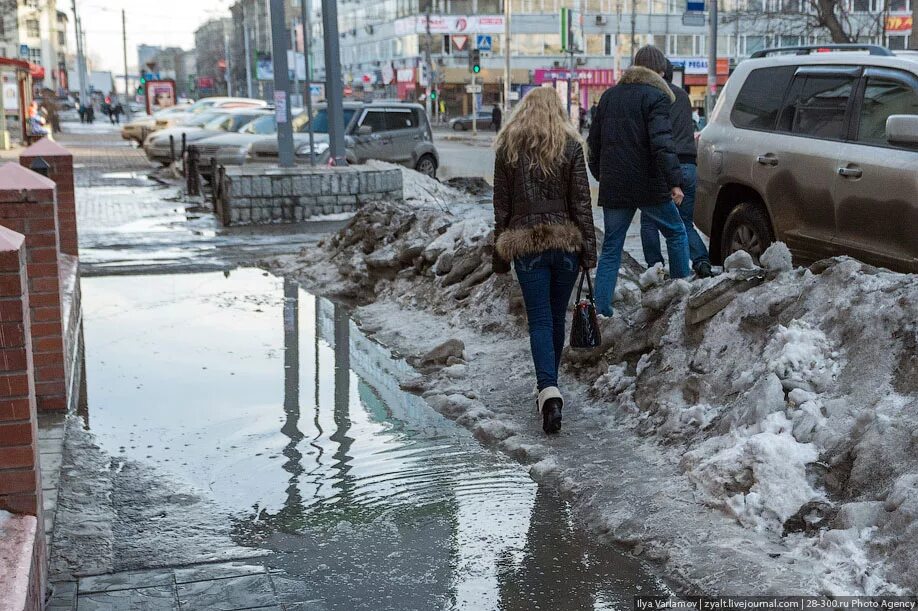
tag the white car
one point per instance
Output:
(205, 105)
(165, 146)
(138, 129)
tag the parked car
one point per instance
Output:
(232, 148)
(207, 104)
(159, 148)
(818, 150)
(138, 129)
(461, 124)
(397, 132)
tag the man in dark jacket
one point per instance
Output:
(497, 117)
(680, 113)
(633, 156)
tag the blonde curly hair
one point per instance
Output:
(538, 132)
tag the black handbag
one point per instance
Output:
(585, 332)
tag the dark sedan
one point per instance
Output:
(461, 124)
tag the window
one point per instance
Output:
(759, 101)
(402, 119)
(375, 119)
(884, 97)
(816, 105)
(32, 28)
(35, 56)
(61, 39)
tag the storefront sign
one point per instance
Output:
(451, 24)
(899, 23)
(405, 75)
(588, 77)
(699, 65)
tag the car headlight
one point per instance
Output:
(320, 148)
(244, 150)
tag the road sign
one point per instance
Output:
(24, 51)
(694, 6)
(473, 88)
(459, 41)
(514, 96)
(484, 42)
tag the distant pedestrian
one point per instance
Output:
(543, 224)
(90, 113)
(497, 117)
(633, 156)
(37, 123)
(582, 119)
(593, 110)
(82, 112)
(680, 114)
(117, 111)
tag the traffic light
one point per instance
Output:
(474, 61)
(433, 95)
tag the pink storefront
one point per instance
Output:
(592, 82)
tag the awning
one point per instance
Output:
(37, 72)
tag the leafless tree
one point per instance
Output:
(833, 19)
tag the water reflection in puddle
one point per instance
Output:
(272, 399)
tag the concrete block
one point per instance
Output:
(324, 200)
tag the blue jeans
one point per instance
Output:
(617, 221)
(547, 280)
(650, 233)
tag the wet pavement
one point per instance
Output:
(241, 444)
(285, 430)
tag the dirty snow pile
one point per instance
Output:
(783, 403)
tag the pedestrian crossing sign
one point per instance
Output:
(484, 42)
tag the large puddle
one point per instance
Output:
(274, 402)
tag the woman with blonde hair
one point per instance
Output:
(543, 224)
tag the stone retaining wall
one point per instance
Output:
(253, 195)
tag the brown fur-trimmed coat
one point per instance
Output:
(534, 212)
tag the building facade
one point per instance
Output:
(385, 43)
(36, 31)
(252, 19)
(211, 42)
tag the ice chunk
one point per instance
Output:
(739, 260)
(802, 357)
(777, 258)
(655, 276)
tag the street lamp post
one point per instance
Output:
(334, 88)
(507, 14)
(281, 84)
(712, 58)
(307, 93)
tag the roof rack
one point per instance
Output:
(808, 49)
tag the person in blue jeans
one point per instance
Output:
(680, 114)
(543, 224)
(633, 156)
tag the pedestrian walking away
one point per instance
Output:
(680, 114)
(497, 117)
(633, 156)
(543, 224)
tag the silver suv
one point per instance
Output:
(397, 132)
(818, 150)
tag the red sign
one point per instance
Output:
(160, 94)
(459, 41)
(348, 90)
(899, 23)
(587, 76)
(205, 82)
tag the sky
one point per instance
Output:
(152, 22)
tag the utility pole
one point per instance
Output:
(334, 88)
(281, 84)
(296, 63)
(229, 62)
(634, 29)
(127, 86)
(248, 54)
(712, 58)
(508, 11)
(79, 43)
(307, 90)
(913, 44)
(428, 61)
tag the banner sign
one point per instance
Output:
(899, 23)
(451, 24)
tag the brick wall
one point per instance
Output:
(60, 172)
(27, 206)
(20, 478)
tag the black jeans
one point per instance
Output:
(547, 280)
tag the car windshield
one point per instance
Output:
(261, 126)
(201, 106)
(320, 121)
(170, 112)
(204, 118)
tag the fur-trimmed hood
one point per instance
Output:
(639, 75)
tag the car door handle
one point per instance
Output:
(850, 172)
(769, 160)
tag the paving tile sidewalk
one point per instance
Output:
(226, 586)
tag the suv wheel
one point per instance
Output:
(427, 165)
(746, 228)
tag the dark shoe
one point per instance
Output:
(550, 404)
(703, 269)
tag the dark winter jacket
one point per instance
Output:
(632, 153)
(680, 114)
(534, 212)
